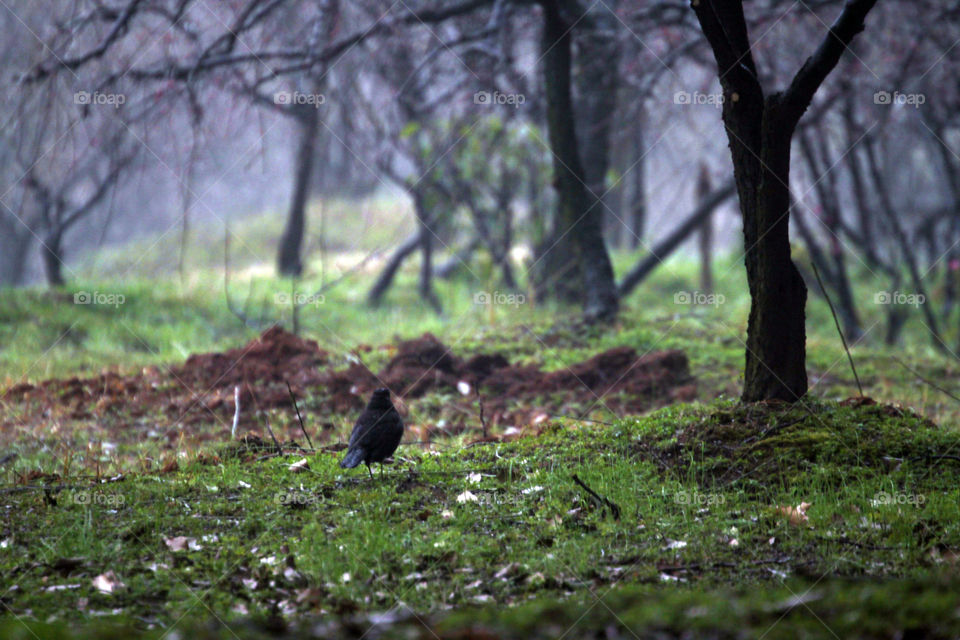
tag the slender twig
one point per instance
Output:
(236, 411)
(836, 322)
(483, 421)
(600, 499)
(270, 430)
(302, 428)
(929, 382)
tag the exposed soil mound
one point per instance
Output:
(201, 390)
(273, 357)
(618, 379)
(203, 384)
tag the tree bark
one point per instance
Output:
(580, 217)
(596, 81)
(425, 281)
(52, 253)
(289, 259)
(385, 279)
(776, 331)
(638, 207)
(760, 131)
(14, 248)
(705, 237)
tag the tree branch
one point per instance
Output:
(817, 67)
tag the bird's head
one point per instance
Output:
(380, 399)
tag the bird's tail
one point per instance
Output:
(353, 458)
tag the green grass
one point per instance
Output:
(534, 554)
(504, 523)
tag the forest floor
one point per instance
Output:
(556, 480)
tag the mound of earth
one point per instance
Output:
(618, 379)
(756, 445)
(202, 389)
(188, 393)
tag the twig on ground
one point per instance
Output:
(302, 428)
(270, 430)
(483, 421)
(596, 496)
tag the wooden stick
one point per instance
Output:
(302, 428)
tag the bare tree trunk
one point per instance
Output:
(581, 218)
(638, 208)
(425, 284)
(705, 237)
(385, 279)
(760, 130)
(52, 253)
(14, 248)
(596, 90)
(289, 259)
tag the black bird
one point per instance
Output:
(376, 435)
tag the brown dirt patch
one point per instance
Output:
(201, 390)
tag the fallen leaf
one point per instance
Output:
(796, 515)
(182, 543)
(107, 582)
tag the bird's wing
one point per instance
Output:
(375, 428)
(361, 427)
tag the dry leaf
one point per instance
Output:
(796, 515)
(182, 543)
(107, 582)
